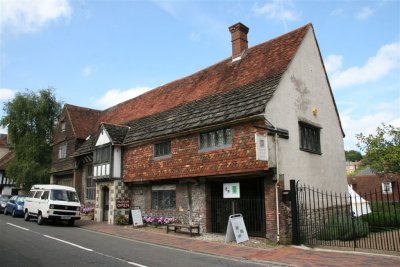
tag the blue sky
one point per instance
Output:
(98, 53)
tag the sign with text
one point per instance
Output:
(231, 190)
(236, 229)
(123, 203)
(137, 217)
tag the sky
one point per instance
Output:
(97, 53)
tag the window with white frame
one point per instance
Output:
(90, 185)
(62, 151)
(386, 187)
(102, 158)
(63, 126)
(216, 139)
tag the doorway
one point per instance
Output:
(106, 203)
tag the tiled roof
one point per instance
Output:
(116, 132)
(83, 120)
(244, 102)
(87, 146)
(6, 158)
(260, 62)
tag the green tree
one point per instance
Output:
(353, 155)
(384, 146)
(30, 118)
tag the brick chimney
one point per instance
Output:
(239, 40)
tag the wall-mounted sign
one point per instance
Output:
(236, 229)
(123, 203)
(231, 190)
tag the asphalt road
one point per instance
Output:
(28, 244)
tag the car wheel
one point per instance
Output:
(26, 216)
(71, 222)
(40, 219)
(13, 213)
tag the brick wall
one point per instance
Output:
(187, 161)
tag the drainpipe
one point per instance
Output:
(276, 189)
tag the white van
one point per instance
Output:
(52, 202)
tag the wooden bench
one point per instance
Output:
(176, 226)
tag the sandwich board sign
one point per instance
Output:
(236, 229)
(137, 217)
(231, 190)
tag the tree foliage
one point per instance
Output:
(353, 155)
(384, 146)
(30, 118)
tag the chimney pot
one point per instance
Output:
(239, 40)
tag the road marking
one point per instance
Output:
(69, 243)
(136, 264)
(26, 229)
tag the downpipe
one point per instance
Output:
(277, 190)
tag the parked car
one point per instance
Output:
(15, 206)
(3, 201)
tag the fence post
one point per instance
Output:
(295, 214)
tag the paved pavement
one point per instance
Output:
(289, 255)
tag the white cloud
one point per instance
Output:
(337, 12)
(87, 71)
(385, 61)
(333, 63)
(116, 96)
(364, 13)
(385, 112)
(194, 36)
(6, 94)
(25, 16)
(278, 10)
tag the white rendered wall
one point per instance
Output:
(304, 87)
(117, 162)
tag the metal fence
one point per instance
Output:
(367, 221)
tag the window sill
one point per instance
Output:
(162, 157)
(204, 150)
(311, 151)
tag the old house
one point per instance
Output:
(264, 115)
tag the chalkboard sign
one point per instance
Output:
(236, 229)
(137, 217)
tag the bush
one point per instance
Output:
(384, 215)
(121, 219)
(341, 228)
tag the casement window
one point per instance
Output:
(309, 138)
(163, 197)
(386, 187)
(162, 149)
(62, 151)
(63, 126)
(90, 185)
(102, 154)
(216, 139)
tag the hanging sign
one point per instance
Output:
(236, 229)
(231, 190)
(137, 217)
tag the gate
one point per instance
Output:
(369, 221)
(250, 205)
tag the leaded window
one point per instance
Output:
(62, 151)
(216, 139)
(309, 138)
(162, 149)
(90, 185)
(102, 154)
(163, 199)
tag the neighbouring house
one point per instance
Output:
(255, 120)
(7, 186)
(75, 124)
(352, 166)
(376, 187)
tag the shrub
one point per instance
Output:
(341, 228)
(383, 216)
(121, 219)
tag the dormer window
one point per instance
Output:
(102, 158)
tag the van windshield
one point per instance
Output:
(63, 195)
